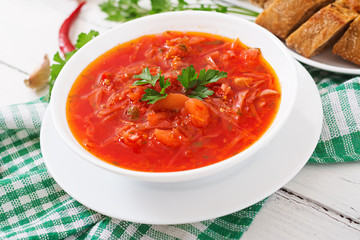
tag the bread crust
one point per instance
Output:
(261, 3)
(283, 17)
(350, 4)
(348, 47)
(321, 31)
(268, 3)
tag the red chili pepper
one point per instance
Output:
(64, 41)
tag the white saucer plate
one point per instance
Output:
(197, 200)
(328, 61)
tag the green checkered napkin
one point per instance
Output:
(340, 136)
(33, 206)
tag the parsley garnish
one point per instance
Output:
(124, 10)
(210, 76)
(84, 38)
(152, 95)
(60, 62)
(194, 84)
(146, 78)
(200, 92)
(188, 77)
(164, 84)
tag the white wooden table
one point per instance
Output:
(321, 202)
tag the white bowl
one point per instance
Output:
(229, 26)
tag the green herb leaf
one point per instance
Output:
(152, 96)
(194, 83)
(210, 76)
(163, 84)
(188, 77)
(146, 78)
(84, 38)
(158, 6)
(181, 5)
(124, 10)
(200, 92)
(60, 62)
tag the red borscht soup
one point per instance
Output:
(173, 101)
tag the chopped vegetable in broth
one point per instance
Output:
(173, 101)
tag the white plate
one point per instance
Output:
(326, 60)
(184, 202)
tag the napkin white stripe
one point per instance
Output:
(354, 101)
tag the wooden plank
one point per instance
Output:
(286, 216)
(90, 12)
(14, 90)
(27, 39)
(335, 186)
(35, 33)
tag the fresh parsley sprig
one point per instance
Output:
(122, 10)
(193, 83)
(125, 10)
(188, 77)
(60, 62)
(146, 78)
(152, 95)
(55, 69)
(84, 38)
(164, 84)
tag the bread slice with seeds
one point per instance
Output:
(283, 17)
(348, 47)
(321, 31)
(350, 4)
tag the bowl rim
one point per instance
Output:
(63, 129)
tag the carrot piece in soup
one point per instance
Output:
(156, 118)
(133, 138)
(198, 111)
(170, 138)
